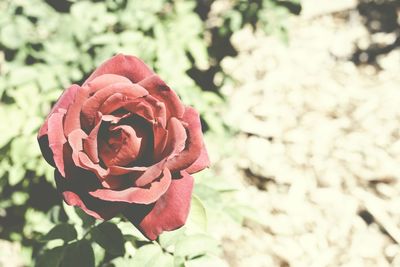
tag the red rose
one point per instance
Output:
(124, 143)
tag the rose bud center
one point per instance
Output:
(122, 145)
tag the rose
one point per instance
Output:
(124, 143)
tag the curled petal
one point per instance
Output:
(57, 140)
(169, 212)
(159, 110)
(75, 196)
(113, 103)
(63, 103)
(91, 106)
(120, 170)
(72, 118)
(176, 138)
(194, 142)
(75, 140)
(142, 109)
(160, 136)
(115, 118)
(86, 163)
(150, 174)
(138, 195)
(201, 162)
(105, 80)
(128, 66)
(90, 144)
(158, 89)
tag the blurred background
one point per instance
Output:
(300, 108)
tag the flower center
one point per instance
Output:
(122, 144)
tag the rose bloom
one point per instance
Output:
(123, 142)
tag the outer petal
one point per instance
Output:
(72, 118)
(128, 66)
(137, 195)
(105, 80)
(74, 195)
(201, 163)
(170, 211)
(194, 142)
(158, 89)
(57, 140)
(63, 102)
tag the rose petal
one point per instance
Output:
(113, 103)
(105, 80)
(72, 118)
(158, 89)
(127, 144)
(114, 119)
(142, 109)
(169, 212)
(57, 140)
(150, 174)
(159, 110)
(176, 138)
(128, 66)
(137, 195)
(75, 196)
(87, 164)
(141, 176)
(63, 102)
(160, 140)
(194, 142)
(75, 140)
(90, 144)
(201, 163)
(91, 106)
(120, 170)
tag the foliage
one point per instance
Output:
(44, 47)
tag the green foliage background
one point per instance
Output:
(47, 45)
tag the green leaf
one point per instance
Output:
(162, 260)
(51, 257)
(72, 215)
(57, 214)
(62, 231)
(169, 238)
(131, 232)
(197, 220)
(78, 253)
(123, 262)
(19, 198)
(145, 254)
(99, 253)
(198, 50)
(110, 237)
(87, 220)
(195, 245)
(36, 221)
(16, 174)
